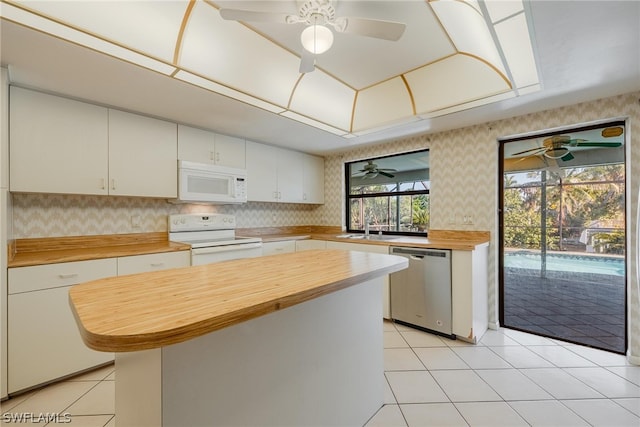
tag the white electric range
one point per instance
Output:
(212, 238)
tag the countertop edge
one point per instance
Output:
(137, 342)
(30, 259)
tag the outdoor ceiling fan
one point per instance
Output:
(317, 37)
(371, 170)
(558, 147)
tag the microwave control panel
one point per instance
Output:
(241, 188)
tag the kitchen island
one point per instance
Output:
(291, 339)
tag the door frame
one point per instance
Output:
(627, 201)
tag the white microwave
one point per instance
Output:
(204, 183)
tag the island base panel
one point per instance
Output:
(315, 363)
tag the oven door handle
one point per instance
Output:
(225, 248)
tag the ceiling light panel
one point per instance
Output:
(513, 35)
(233, 55)
(361, 62)
(152, 30)
(72, 35)
(471, 104)
(501, 9)
(454, 81)
(382, 103)
(388, 126)
(311, 122)
(468, 30)
(222, 90)
(324, 98)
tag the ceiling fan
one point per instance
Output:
(558, 147)
(371, 170)
(318, 16)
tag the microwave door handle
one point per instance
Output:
(225, 248)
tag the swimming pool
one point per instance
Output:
(591, 264)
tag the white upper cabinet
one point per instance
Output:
(280, 175)
(230, 151)
(262, 180)
(57, 145)
(197, 145)
(142, 156)
(313, 179)
(289, 173)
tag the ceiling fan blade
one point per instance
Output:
(567, 157)
(386, 30)
(539, 149)
(253, 16)
(307, 62)
(388, 175)
(596, 144)
(387, 170)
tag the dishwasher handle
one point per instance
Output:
(420, 253)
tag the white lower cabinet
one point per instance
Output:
(43, 339)
(281, 247)
(470, 293)
(379, 249)
(44, 343)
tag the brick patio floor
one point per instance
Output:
(583, 308)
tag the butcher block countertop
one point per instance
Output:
(40, 251)
(437, 239)
(51, 250)
(151, 310)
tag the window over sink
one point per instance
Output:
(390, 193)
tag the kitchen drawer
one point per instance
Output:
(27, 279)
(153, 262)
(282, 247)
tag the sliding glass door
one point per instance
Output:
(562, 234)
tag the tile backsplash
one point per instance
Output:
(54, 215)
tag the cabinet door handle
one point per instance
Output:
(68, 276)
(102, 186)
(212, 155)
(217, 156)
(113, 184)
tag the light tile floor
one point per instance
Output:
(509, 379)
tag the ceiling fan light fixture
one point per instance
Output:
(316, 39)
(556, 153)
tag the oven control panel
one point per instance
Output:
(201, 221)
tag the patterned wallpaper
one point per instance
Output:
(464, 173)
(53, 215)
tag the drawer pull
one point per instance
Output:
(68, 276)
(157, 264)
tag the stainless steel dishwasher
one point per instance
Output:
(421, 294)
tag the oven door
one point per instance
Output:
(212, 254)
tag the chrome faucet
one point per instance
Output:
(366, 229)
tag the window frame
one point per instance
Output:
(349, 197)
